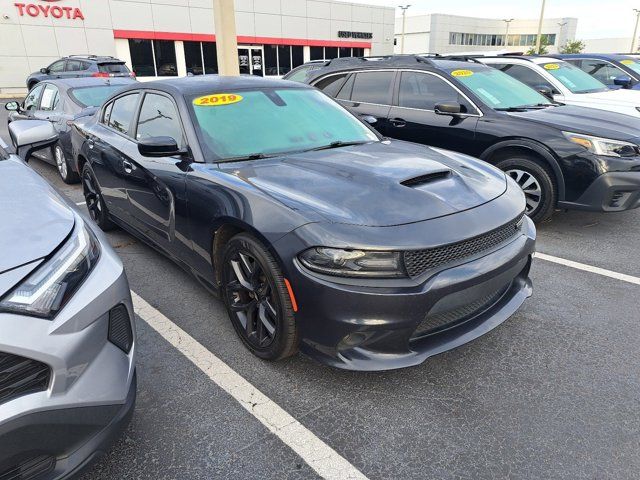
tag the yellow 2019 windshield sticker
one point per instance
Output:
(627, 62)
(217, 99)
(461, 73)
(552, 66)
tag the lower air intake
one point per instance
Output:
(120, 332)
(21, 376)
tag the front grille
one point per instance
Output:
(444, 320)
(29, 469)
(21, 376)
(120, 333)
(419, 261)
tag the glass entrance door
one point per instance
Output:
(251, 60)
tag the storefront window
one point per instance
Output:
(142, 58)
(165, 51)
(270, 60)
(344, 51)
(358, 52)
(193, 58)
(297, 56)
(330, 52)
(317, 53)
(284, 59)
(210, 55)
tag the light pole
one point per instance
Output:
(224, 19)
(506, 35)
(635, 31)
(539, 36)
(404, 18)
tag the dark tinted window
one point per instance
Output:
(193, 58)
(358, 52)
(284, 59)
(347, 88)
(158, 118)
(420, 90)
(344, 52)
(50, 98)
(210, 54)
(122, 113)
(372, 87)
(271, 60)
(107, 113)
(526, 75)
(57, 67)
(31, 102)
(74, 66)
(297, 56)
(330, 52)
(166, 64)
(317, 53)
(113, 68)
(142, 58)
(331, 85)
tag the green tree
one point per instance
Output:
(544, 44)
(573, 46)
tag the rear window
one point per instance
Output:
(93, 96)
(113, 68)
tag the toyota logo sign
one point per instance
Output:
(46, 10)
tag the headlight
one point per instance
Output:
(604, 146)
(353, 263)
(45, 292)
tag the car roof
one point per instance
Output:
(69, 83)
(94, 58)
(203, 84)
(603, 56)
(525, 58)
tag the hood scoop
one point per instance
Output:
(421, 180)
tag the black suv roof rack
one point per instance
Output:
(383, 59)
(91, 57)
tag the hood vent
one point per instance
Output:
(428, 178)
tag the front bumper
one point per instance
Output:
(367, 327)
(90, 395)
(610, 192)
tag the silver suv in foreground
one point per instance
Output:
(67, 349)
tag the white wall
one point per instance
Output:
(609, 45)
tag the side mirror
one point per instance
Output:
(44, 70)
(159, 147)
(370, 119)
(623, 81)
(12, 106)
(448, 109)
(545, 90)
(29, 136)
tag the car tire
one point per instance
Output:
(64, 167)
(95, 202)
(537, 184)
(257, 299)
(32, 84)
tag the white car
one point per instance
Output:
(567, 83)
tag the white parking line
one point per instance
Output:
(317, 454)
(589, 268)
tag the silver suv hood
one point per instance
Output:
(34, 219)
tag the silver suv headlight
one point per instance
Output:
(604, 146)
(45, 292)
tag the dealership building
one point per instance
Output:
(159, 38)
(440, 33)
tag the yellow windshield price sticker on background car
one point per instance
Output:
(627, 62)
(461, 73)
(217, 100)
(552, 66)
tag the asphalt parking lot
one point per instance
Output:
(552, 393)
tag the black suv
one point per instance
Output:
(562, 156)
(81, 66)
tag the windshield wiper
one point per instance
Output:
(337, 144)
(252, 156)
(524, 108)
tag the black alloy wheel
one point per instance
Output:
(536, 183)
(93, 197)
(257, 300)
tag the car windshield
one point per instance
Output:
(575, 79)
(631, 63)
(272, 121)
(92, 96)
(113, 68)
(499, 90)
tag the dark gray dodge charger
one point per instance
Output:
(319, 235)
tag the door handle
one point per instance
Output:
(397, 122)
(128, 167)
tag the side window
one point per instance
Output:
(300, 75)
(121, 114)
(601, 70)
(84, 65)
(347, 88)
(372, 87)
(159, 118)
(57, 67)
(425, 91)
(73, 66)
(31, 102)
(50, 98)
(107, 113)
(331, 85)
(526, 75)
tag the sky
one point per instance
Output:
(596, 18)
